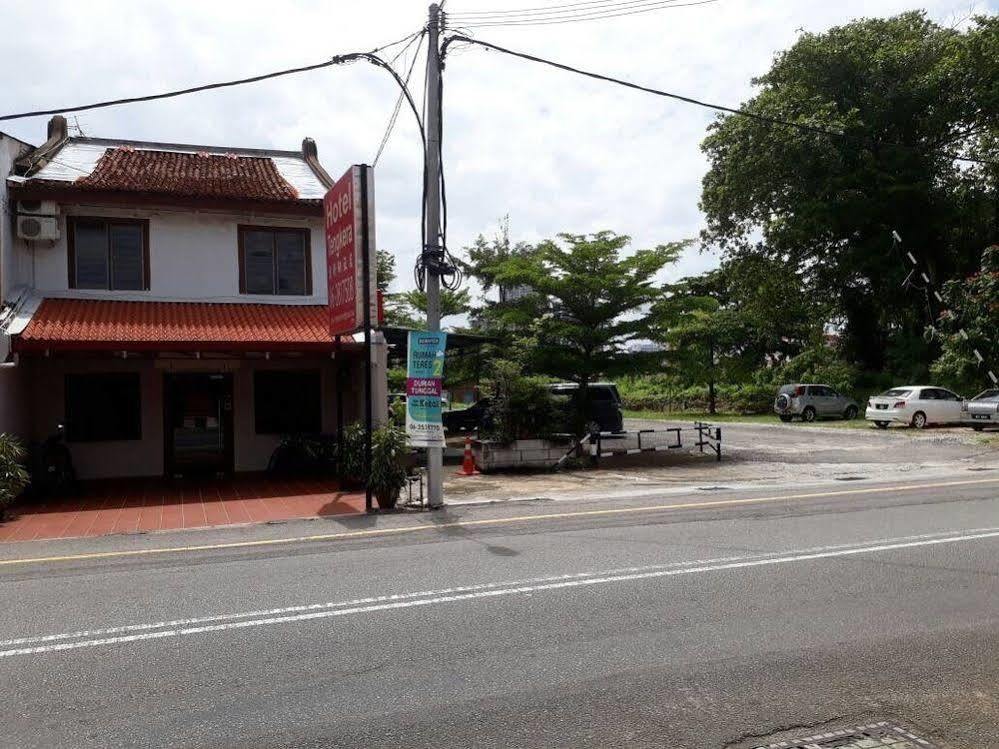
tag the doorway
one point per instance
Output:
(198, 423)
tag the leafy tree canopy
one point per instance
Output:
(973, 307)
(595, 301)
(906, 94)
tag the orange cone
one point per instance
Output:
(468, 463)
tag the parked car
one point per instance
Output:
(915, 405)
(469, 419)
(810, 402)
(604, 408)
(983, 410)
(605, 413)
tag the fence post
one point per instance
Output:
(718, 440)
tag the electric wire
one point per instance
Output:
(524, 11)
(802, 126)
(335, 60)
(398, 104)
(629, 9)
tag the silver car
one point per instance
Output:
(810, 402)
(983, 410)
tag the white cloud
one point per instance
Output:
(554, 151)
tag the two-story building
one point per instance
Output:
(168, 304)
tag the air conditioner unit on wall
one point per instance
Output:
(37, 227)
(37, 208)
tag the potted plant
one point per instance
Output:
(388, 464)
(351, 462)
(13, 475)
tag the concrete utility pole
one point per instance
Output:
(433, 255)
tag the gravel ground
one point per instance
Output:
(752, 454)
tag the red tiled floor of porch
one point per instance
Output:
(135, 505)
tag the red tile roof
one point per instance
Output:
(200, 175)
(99, 325)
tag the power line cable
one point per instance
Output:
(603, 6)
(664, 6)
(525, 11)
(418, 35)
(336, 60)
(398, 105)
(805, 127)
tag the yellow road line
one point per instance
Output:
(493, 521)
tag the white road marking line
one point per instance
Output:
(472, 592)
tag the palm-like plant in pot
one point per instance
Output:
(13, 475)
(388, 464)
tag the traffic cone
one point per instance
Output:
(468, 463)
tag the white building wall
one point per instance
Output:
(10, 274)
(193, 255)
(15, 414)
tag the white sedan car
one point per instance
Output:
(983, 410)
(916, 405)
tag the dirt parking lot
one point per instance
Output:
(752, 454)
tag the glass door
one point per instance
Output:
(198, 423)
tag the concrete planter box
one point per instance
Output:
(490, 456)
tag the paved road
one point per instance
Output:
(683, 621)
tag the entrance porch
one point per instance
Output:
(156, 504)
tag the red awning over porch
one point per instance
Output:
(103, 325)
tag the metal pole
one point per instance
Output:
(338, 358)
(369, 420)
(435, 455)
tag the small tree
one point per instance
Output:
(597, 301)
(705, 342)
(413, 305)
(13, 475)
(520, 406)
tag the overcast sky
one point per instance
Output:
(556, 152)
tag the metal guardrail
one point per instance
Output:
(610, 444)
(710, 437)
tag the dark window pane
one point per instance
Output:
(258, 262)
(291, 257)
(286, 402)
(90, 246)
(103, 407)
(126, 256)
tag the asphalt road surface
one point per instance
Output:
(704, 620)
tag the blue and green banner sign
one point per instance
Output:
(424, 376)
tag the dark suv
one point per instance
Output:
(604, 410)
(604, 413)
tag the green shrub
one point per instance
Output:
(352, 459)
(13, 475)
(520, 407)
(741, 399)
(388, 464)
(396, 377)
(819, 364)
(397, 413)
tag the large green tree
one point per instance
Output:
(596, 300)
(906, 94)
(970, 323)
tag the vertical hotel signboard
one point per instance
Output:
(424, 375)
(350, 231)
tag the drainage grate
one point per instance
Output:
(883, 735)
